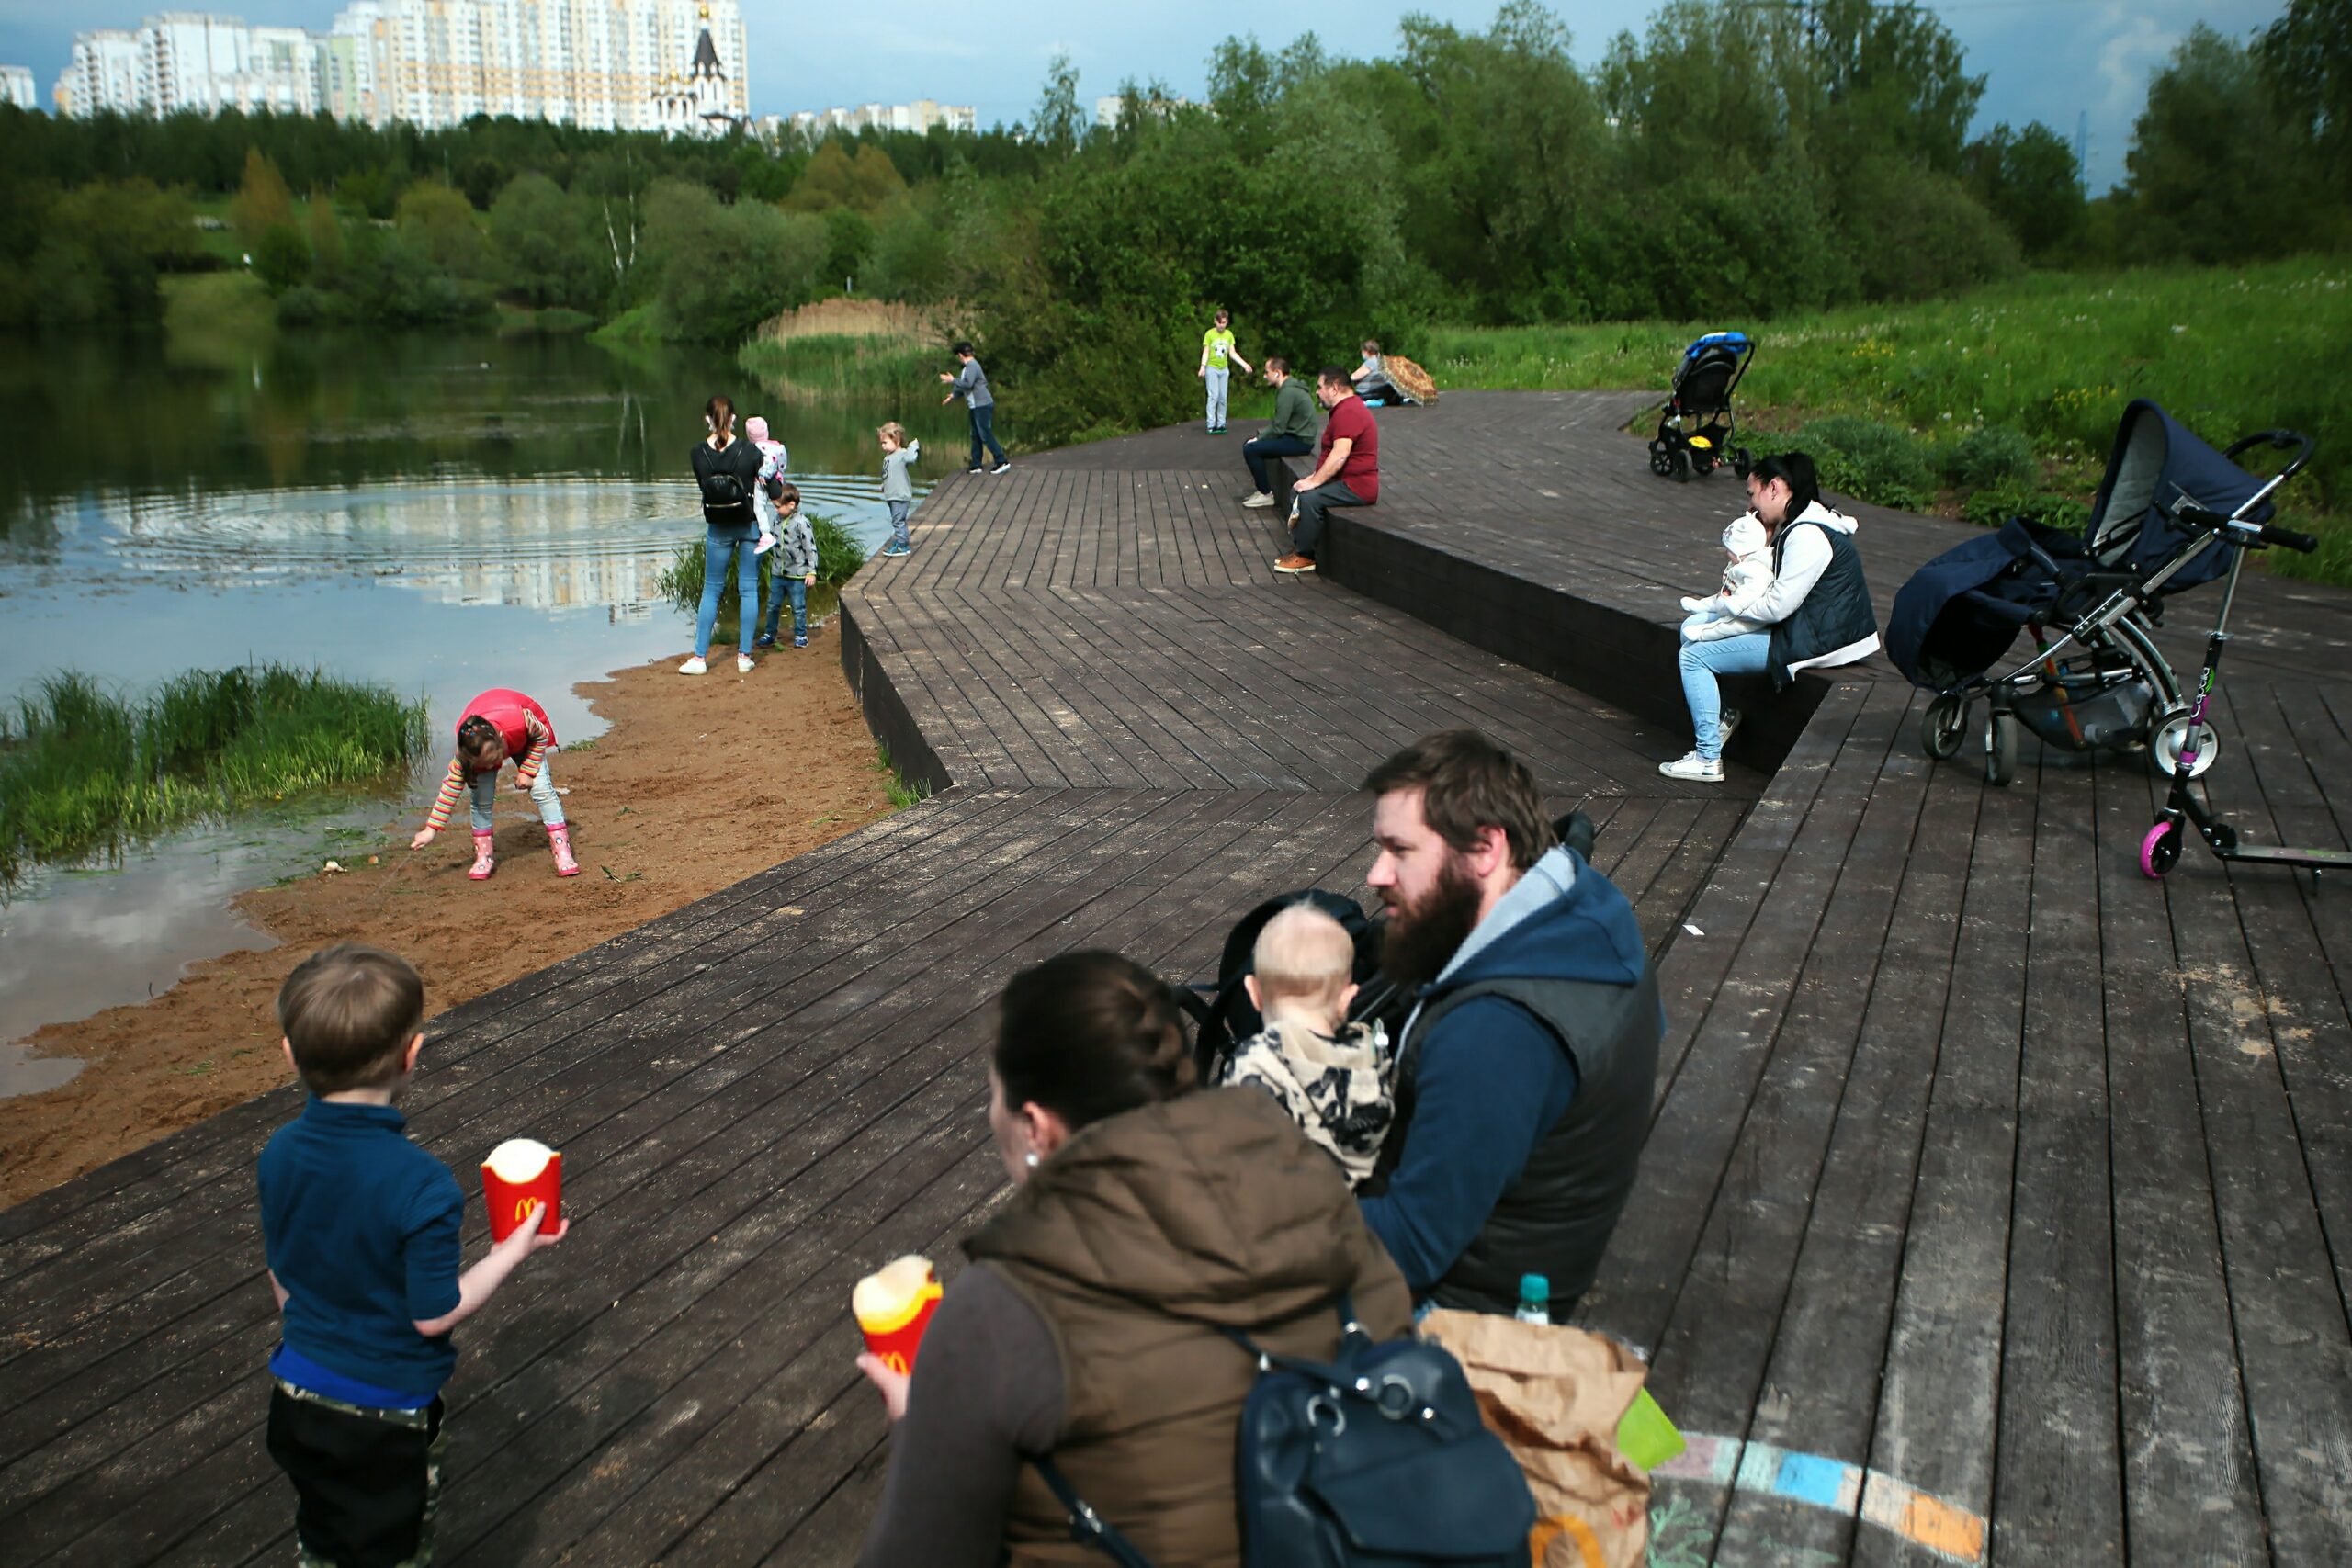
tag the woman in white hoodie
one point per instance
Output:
(1816, 612)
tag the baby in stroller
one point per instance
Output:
(1746, 581)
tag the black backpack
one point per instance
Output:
(1375, 1458)
(725, 500)
(1221, 1012)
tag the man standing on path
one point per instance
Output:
(1349, 474)
(971, 384)
(1525, 1071)
(1291, 434)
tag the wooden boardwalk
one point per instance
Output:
(1988, 1181)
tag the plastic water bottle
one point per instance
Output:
(1534, 1299)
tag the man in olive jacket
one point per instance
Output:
(1291, 434)
(1525, 1071)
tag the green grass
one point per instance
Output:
(635, 326)
(2052, 358)
(217, 309)
(83, 770)
(830, 368)
(895, 786)
(554, 319)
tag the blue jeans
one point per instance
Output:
(1257, 449)
(798, 588)
(483, 798)
(899, 509)
(984, 431)
(718, 546)
(1702, 662)
(1216, 382)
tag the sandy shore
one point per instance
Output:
(696, 785)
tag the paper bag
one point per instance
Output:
(1555, 1395)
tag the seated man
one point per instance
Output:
(1290, 433)
(1349, 474)
(1524, 1073)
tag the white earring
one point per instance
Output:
(1030, 1160)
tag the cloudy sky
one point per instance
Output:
(2047, 60)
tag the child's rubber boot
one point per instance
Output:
(559, 841)
(485, 861)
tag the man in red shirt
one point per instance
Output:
(1349, 474)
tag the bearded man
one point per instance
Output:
(1525, 1071)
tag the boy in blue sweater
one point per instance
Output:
(361, 1228)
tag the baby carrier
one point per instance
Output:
(2095, 681)
(1695, 431)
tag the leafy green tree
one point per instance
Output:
(442, 222)
(282, 257)
(2306, 59)
(2027, 179)
(863, 181)
(720, 271)
(1058, 125)
(849, 239)
(482, 177)
(2215, 172)
(263, 201)
(548, 251)
(326, 239)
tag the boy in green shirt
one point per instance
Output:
(1217, 354)
(1290, 434)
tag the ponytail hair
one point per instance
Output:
(1088, 1035)
(1795, 470)
(720, 412)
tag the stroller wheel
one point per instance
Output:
(1942, 726)
(2000, 748)
(1661, 459)
(1681, 467)
(2160, 851)
(1741, 461)
(2164, 749)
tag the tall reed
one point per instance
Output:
(83, 770)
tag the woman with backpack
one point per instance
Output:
(1148, 1218)
(727, 470)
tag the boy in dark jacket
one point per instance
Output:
(360, 1227)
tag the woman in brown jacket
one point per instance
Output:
(1148, 1216)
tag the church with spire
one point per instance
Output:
(701, 101)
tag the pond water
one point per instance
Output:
(441, 512)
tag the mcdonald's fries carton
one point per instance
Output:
(894, 1306)
(520, 1175)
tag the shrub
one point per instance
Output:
(1997, 504)
(281, 257)
(1870, 461)
(1989, 454)
(838, 558)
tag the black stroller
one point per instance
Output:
(2098, 683)
(1695, 431)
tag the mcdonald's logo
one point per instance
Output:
(896, 1360)
(523, 1208)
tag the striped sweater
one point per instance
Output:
(526, 771)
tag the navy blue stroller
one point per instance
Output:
(1695, 431)
(2091, 601)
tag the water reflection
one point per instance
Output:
(441, 514)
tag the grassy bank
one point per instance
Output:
(848, 348)
(83, 770)
(2007, 396)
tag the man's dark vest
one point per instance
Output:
(1555, 1219)
(1836, 614)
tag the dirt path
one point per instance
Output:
(696, 785)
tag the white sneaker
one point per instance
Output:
(742, 664)
(1692, 766)
(1003, 468)
(694, 666)
(1263, 498)
(1728, 722)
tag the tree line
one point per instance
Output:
(1733, 159)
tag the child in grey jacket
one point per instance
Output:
(899, 454)
(796, 568)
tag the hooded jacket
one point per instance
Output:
(1819, 604)
(1523, 1096)
(1135, 1243)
